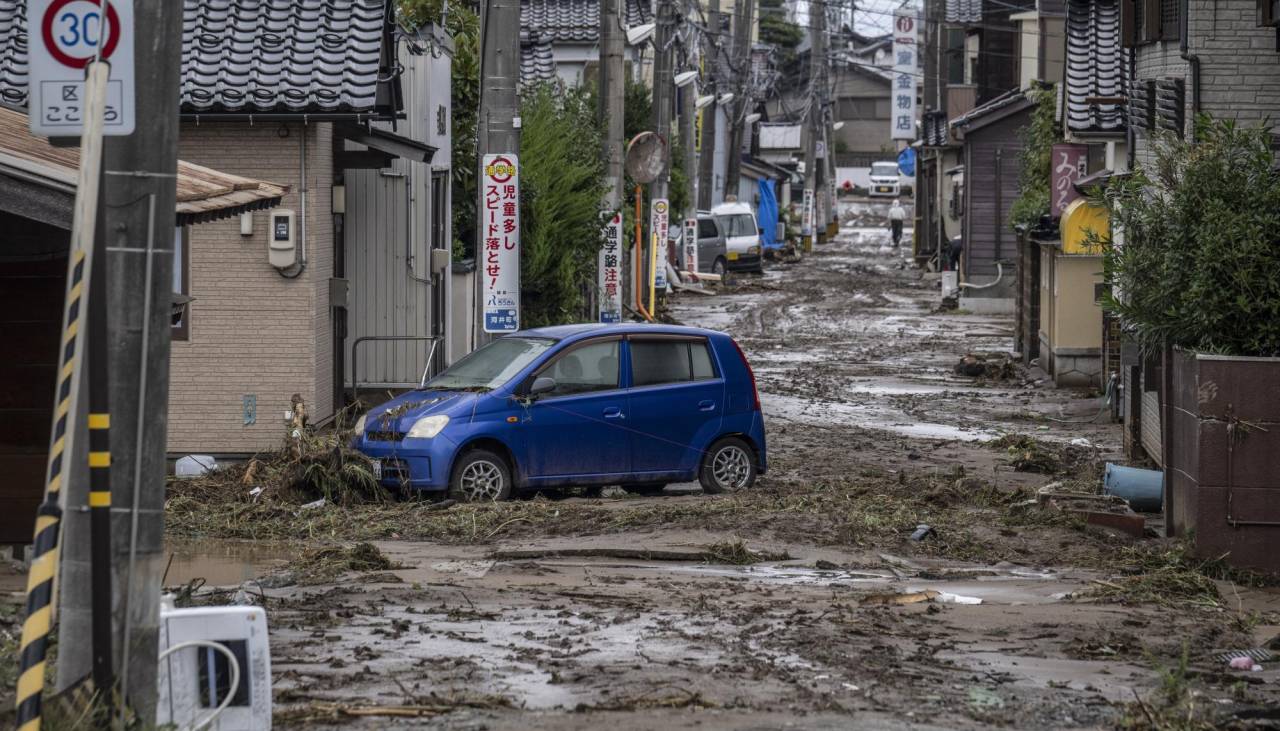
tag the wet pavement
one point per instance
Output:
(855, 369)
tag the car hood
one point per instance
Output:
(401, 412)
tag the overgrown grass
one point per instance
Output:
(1176, 706)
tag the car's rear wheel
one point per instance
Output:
(729, 466)
(480, 476)
(647, 488)
(720, 268)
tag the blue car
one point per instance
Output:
(633, 405)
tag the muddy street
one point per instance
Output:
(893, 569)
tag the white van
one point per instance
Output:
(884, 180)
(742, 236)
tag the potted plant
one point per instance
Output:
(1194, 273)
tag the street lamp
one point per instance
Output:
(837, 126)
(752, 118)
(640, 33)
(684, 78)
(705, 101)
(725, 98)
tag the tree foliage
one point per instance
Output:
(1196, 260)
(1035, 178)
(781, 33)
(462, 23)
(562, 189)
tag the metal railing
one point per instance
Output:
(355, 363)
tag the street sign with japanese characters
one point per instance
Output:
(610, 271)
(500, 252)
(691, 245)
(902, 116)
(806, 213)
(1070, 161)
(660, 225)
(63, 37)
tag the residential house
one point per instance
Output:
(560, 39)
(333, 101)
(38, 183)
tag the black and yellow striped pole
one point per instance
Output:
(44, 558)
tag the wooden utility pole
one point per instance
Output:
(744, 19)
(711, 61)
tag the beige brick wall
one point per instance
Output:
(252, 330)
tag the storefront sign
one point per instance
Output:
(905, 71)
(1069, 165)
(500, 255)
(610, 271)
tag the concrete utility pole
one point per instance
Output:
(664, 86)
(612, 94)
(499, 122)
(811, 127)
(743, 20)
(688, 134)
(711, 59)
(138, 221)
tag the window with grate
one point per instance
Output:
(1170, 27)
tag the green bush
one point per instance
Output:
(561, 207)
(1036, 175)
(1198, 263)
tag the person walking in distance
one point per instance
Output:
(896, 215)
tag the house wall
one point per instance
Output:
(1075, 330)
(253, 331)
(991, 185)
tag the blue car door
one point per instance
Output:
(677, 403)
(578, 429)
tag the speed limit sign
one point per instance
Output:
(64, 36)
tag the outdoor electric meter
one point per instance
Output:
(281, 249)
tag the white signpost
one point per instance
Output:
(691, 245)
(806, 213)
(660, 225)
(610, 271)
(63, 37)
(905, 71)
(500, 259)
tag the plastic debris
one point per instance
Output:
(313, 504)
(1081, 442)
(195, 465)
(1244, 663)
(923, 531)
(958, 598)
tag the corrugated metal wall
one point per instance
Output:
(991, 186)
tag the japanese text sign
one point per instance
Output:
(609, 271)
(500, 237)
(902, 117)
(691, 245)
(806, 213)
(1069, 165)
(63, 39)
(660, 225)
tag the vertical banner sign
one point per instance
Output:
(831, 196)
(500, 218)
(610, 271)
(905, 70)
(691, 245)
(62, 38)
(660, 225)
(806, 213)
(1069, 165)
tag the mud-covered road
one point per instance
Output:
(803, 605)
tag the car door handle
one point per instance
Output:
(613, 412)
(707, 405)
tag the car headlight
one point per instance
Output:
(428, 426)
(358, 429)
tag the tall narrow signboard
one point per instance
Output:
(1070, 161)
(806, 213)
(63, 37)
(660, 225)
(905, 73)
(610, 271)
(691, 245)
(500, 260)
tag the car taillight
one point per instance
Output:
(755, 392)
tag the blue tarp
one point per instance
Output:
(768, 215)
(907, 162)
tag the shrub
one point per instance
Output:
(1036, 175)
(1198, 265)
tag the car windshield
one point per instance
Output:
(738, 224)
(490, 366)
(884, 170)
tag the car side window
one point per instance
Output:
(585, 369)
(707, 229)
(655, 362)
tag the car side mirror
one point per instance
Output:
(761, 231)
(541, 385)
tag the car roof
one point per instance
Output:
(588, 329)
(732, 207)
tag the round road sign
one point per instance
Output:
(71, 30)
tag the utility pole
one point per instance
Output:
(743, 21)
(817, 51)
(711, 57)
(663, 90)
(612, 94)
(688, 133)
(499, 122)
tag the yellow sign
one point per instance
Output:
(1078, 219)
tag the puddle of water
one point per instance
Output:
(868, 416)
(224, 563)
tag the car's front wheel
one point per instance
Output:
(719, 268)
(480, 476)
(729, 466)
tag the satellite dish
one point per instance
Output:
(646, 157)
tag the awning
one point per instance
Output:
(388, 142)
(43, 178)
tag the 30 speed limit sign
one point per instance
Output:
(63, 37)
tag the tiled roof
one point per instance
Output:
(935, 129)
(977, 114)
(1096, 65)
(255, 56)
(543, 23)
(964, 11)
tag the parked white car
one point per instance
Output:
(884, 180)
(742, 236)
